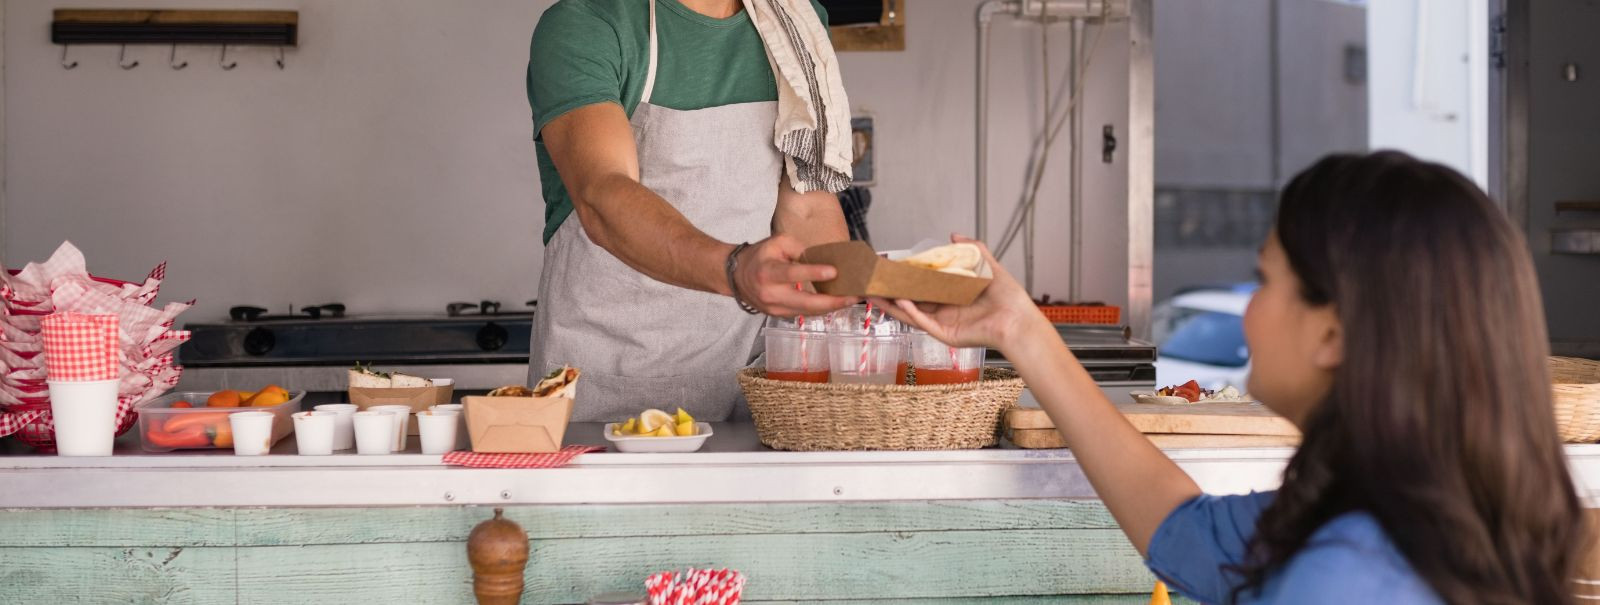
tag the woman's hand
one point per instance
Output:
(1000, 315)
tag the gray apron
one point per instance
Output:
(642, 343)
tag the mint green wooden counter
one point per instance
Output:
(1030, 551)
(990, 526)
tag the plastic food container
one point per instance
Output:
(659, 445)
(156, 413)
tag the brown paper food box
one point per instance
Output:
(863, 273)
(517, 424)
(419, 398)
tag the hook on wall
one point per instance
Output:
(224, 60)
(172, 59)
(122, 59)
(64, 63)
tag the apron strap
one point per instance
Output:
(650, 71)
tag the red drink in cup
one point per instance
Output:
(796, 355)
(799, 376)
(939, 363)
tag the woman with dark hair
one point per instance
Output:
(1399, 326)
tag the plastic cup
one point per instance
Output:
(313, 432)
(252, 432)
(85, 417)
(796, 355)
(438, 429)
(865, 359)
(860, 320)
(344, 432)
(461, 416)
(402, 417)
(939, 363)
(374, 432)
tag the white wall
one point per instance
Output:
(390, 166)
(1428, 66)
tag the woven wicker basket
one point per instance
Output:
(804, 416)
(1577, 398)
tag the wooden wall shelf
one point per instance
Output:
(887, 35)
(209, 27)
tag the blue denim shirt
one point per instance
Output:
(1348, 560)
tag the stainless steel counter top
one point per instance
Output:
(733, 467)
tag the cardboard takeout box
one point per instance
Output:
(419, 398)
(517, 424)
(863, 273)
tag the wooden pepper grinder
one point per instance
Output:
(498, 552)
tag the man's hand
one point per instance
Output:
(768, 271)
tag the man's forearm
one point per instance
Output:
(813, 218)
(650, 236)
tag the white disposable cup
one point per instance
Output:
(313, 432)
(85, 417)
(344, 435)
(461, 422)
(374, 431)
(438, 430)
(402, 417)
(252, 432)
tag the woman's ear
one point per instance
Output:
(1329, 352)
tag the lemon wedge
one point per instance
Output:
(626, 428)
(653, 419)
(683, 417)
(686, 429)
(664, 431)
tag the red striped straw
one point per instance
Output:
(866, 325)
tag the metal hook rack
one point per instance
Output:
(122, 59)
(173, 27)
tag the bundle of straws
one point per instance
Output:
(695, 587)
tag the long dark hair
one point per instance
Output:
(1439, 420)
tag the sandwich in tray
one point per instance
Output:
(364, 377)
(962, 259)
(561, 382)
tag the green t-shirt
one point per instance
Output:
(598, 51)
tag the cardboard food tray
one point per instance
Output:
(419, 398)
(517, 424)
(863, 273)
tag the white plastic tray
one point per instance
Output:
(659, 445)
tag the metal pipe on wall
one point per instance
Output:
(1075, 166)
(986, 13)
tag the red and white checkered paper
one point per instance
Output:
(145, 336)
(79, 347)
(492, 460)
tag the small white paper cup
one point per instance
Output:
(313, 432)
(461, 423)
(402, 417)
(252, 432)
(438, 430)
(344, 433)
(85, 416)
(374, 432)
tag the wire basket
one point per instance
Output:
(1577, 398)
(807, 416)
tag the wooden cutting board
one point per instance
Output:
(1197, 419)
(1037, 439)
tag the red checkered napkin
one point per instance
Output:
(549, 460)
(80, 347)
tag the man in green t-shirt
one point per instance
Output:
(654, 124)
